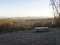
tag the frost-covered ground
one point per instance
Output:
(31, 38)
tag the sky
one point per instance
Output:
(25, 8)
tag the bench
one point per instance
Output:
(38, 29)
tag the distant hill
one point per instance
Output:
(30, 18)
(23, 17)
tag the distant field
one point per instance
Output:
(15, 24)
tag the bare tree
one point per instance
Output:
(56, 8)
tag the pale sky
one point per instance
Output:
(24, 8)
